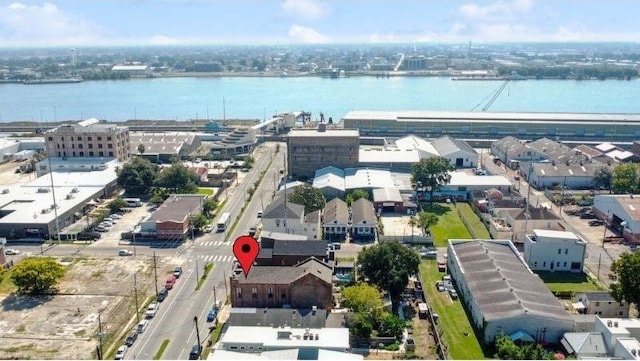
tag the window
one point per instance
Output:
(82, 154)
(544, 264)
(254, 292)
(59, 155)
(109, 138)
(597, 304)
(559, 250)
(238, 292)
(535, 264)
(100, 147)
(99, 138)
(89, 138)
(621, 304)
(101, 154)
(566, 250)
(90, 146)
(91, 154)
(270, 294)
(109, 145)
(283, 295)
(51, 139)
(620, 313)
(565, 264)
(110, 154)
(74, 154)
(558, 264)
(79, 138)
(72, 139)
(80, 146)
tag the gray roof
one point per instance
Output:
(587, 150)
(584, 169)
(245, 316)
(599, 296)
(386, 195)
(285, 275)
(362, 210)
(277, 209)
(299, 248)
(336, 211)
(556, 151)
(510, 145)
(534, 213)
(283, 236)
(177, 207)
(501, 283)
(586, 343)
(313, 217)
(446, 145)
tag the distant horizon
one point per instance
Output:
(136, 23)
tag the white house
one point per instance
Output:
(335, 222)
(457, 152)
(364, 220)
(547, 250)
(287, 217)
(601, 303)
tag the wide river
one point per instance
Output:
(260, 97)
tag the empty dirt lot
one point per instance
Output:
(65, 326)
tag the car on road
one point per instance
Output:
(122, 350)
(209, 228)
(171, 280)
(152, 309)
(260, 213)
(142, 326)
(252, 231)
(125, 252)
(218, 305)
(162, 294)
(177, 271)
(11, 251)
(596, 222)
(131, 339)
(196, 350)
(211, 315)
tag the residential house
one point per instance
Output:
(522, 221)
(288, 252)
(547, 250)
(364, 220)
(305, 285)
(601, 303)
(335, 222)
(285, 217)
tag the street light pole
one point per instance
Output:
(606, 222)
(135, 292)
(195, 320)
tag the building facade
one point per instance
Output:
(312, 149)
(89, 138)
(547, 250)
(602, 304)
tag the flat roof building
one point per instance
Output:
(90, 138)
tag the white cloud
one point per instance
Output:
(305, 35)
(497, 10)
(306, 9)
(44, 25)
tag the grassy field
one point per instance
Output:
(567, 282)
(205, 191)
(458, 333)
(449, 224)
(479, 230)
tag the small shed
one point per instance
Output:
(423, 310)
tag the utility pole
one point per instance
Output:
(195, 320)
(135, 292)
(224, 278)
(599, 259)
(155, 271)
(99, 337)
(197, 274)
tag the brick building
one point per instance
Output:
(89, 139)
(305, 285)
(312, 149)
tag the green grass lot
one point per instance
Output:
(205, 191)
(479, 230)
(567, 282)
(449, 224)
(453, 320)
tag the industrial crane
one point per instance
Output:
(494, 96)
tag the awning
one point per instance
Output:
(521, 336)
(578, 306)
(92, 203)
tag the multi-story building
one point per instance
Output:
(89, 139)
(601, 303)
(312, 149)
(547, 250)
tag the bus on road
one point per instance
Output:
(223, 222)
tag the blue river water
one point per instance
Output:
(260, 97)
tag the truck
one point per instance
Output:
(223, 222)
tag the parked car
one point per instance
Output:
(252, 231)
(196, 350)
(218, 304)
(453, 294)
(440, 286)
(125, 252)
(152, 309)
(171, 280)
(211, 315)
(11, 251)
(162, 294)
(587, 216)
(101, 229)
(177, 271)
(131, 339)
(142, 326)
(596, 222)
(209, 228)
(122, 350)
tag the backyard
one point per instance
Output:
(450, 225)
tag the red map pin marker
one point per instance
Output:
(246, 249)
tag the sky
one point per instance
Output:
(26, 23)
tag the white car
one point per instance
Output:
(208, 228)
(142, 326)
(152, 309)
(11, 251)
(116, 216)
(125, 252)
(122, 350)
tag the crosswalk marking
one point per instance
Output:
(216, 258)
(216, 243)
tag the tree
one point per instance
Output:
(360, 326)
(430, 174)
(356, 194)
(311, 198)
(426, 220)
(36, 275)
(141, 148)
(388, 266)
(137, 177)
(506, 349)
(627, 270)
(178, 179)
(625, 179)
(362, 298)
(198, 221)
(210, 204)
(117, 204)
(603, 178)
(390, 326)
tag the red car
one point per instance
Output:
(171, 280)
